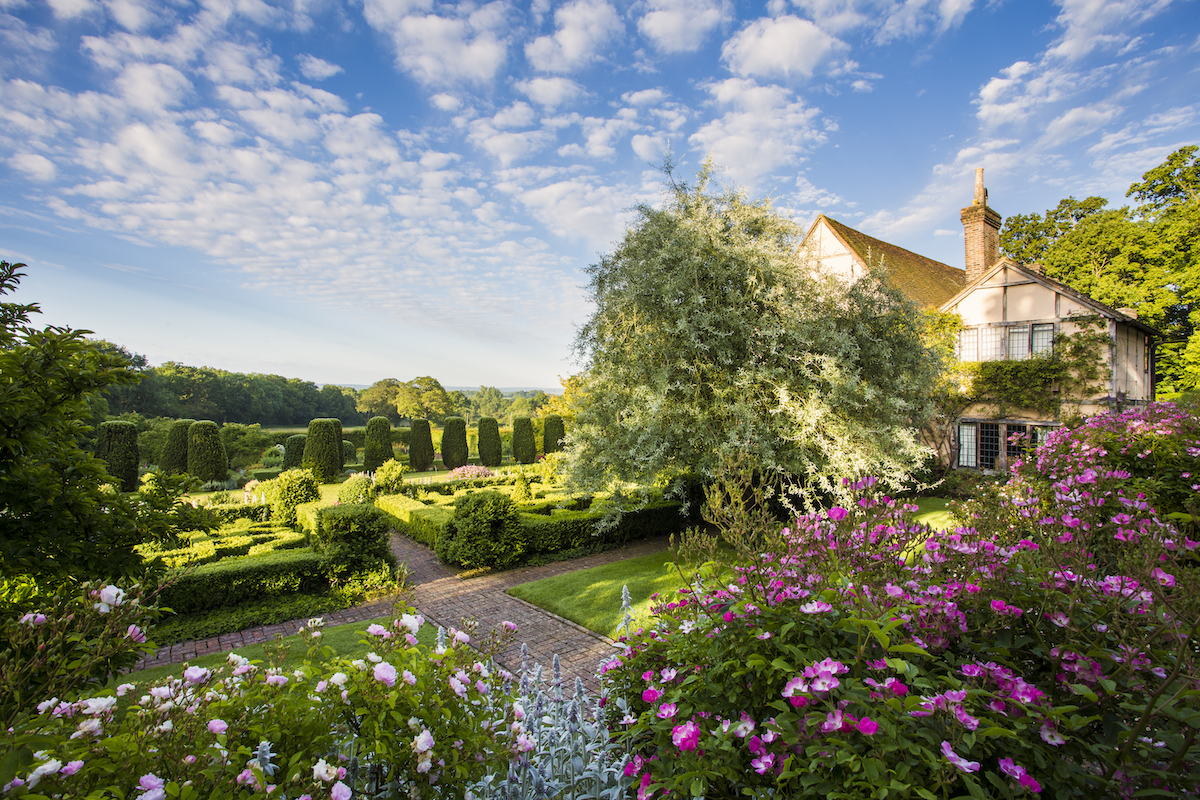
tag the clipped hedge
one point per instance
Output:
(323, 449)
(420, 446)
(523, 444)
(491, 453)
(116, 445)
(553, 433)
(353, 538)
(358, 488)
(206, 458)
(175, 452)
(454, 443)
(293, 451)
(413, 518)
(226, 513)
(349, 452)
(227, 583)
(377, 443)
(486, 531)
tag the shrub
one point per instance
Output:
(377, 446)
(420, 446)
(553, 434)
(524, 446)
(118, 441)
(520, 492)
(290, 489)
(358, 488)
(468, 472)
(353, 538)
(389, 478)
(414, 519)
(490, 452)
(349, 452)
(486, 532)
(244, 444)
(454, 442)
(293, 451)
(323, 449)
(206, 457)
(175, 451)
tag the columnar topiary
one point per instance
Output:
(293, 451)
(454, 442)
(420, 446)
(174, 454)
(490, 451)
(116, 445)
(349, 452)
(377, 445)
(323, 449)
(552, 434)
(206, 457)
(524, 445)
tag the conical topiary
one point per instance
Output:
(491, 451)
(454, 442)
(206, 452)
(174, 454)
(377, 443)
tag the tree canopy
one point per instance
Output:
(713, 338)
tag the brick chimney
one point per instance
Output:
(981, 226)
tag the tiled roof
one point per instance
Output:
(926, 282)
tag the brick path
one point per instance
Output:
(445, 599)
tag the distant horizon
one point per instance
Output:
(351, 189)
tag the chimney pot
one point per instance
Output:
(981, 232)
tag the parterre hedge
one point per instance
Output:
(233, 581)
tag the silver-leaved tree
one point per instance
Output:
(715, 341)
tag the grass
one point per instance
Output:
(592, 597)
(345, 640)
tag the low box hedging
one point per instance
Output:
(228, 512)
(233, 581)
(413, 518)
(233, 546)
(306, 516)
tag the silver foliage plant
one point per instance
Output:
(565, 750)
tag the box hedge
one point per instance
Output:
(377, 443)
(454, 443)
(174, 455)
(416, 520)
(524, 446)
(233, 581)
(293, 451)
(323, 449)
(206, 458)
(420, 446)
(116, 445)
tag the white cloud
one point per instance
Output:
(600, 134)
(645, 97)
(69, 9)
(677, 26)
(584, 27)
(132, 15)
(764, 128)
(785, 47)
(518, 115)
(37, 167)
(650, 149)
(582, 207)
(446, 102)
(1079, 122)
(317, 69)
(1142, 131)
(550, 92)
(152, 87)
(887, 19)
(1089, 25)
(439, 50)
(507, 147)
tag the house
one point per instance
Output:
(1010, 312)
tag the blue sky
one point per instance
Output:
(346, 191)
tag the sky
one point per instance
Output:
(343, 191)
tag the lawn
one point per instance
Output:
(592, 597)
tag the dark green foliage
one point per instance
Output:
(293, 451)
(119, 442)
(290, 489)
(454, 443)
(206, 452)
(553, 433)
(486, 532)
(226, 583)
(244, 444)
(490, 452)
(323, 449)
(174, 454)
(353, 538)
(377, 445)
(420, 446)
(524, 445)
(349, 452)
(356, 489)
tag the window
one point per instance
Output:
(1043, 338)
(1018, 342)
(966, 444)
(1018, 439)
(968, 345)
(991, 344)
(989, 444)
(998, 342)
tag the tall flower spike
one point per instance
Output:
(626, 604)
(441, 638)
(558, 689)
(263, 756)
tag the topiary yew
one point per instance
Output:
(349, 452)
(490, 451)
(420, 446)
(377, 446)
(174, 454)
(524, 445)
(116, 445)
(293, 451)
(206, 457)
(454, 443)
(323, 449)
(553, 433)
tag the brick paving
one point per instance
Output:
(448, 600)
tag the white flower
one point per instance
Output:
(324, 772)
(338, 679)
(423, 742)
(374, 658)
(98, 705)
(358, 664)
(237, 660)
(110, 598)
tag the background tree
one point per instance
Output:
(379, 399)
(420, 446)
(713, 338)
(454, 443)
(423, 398)
(491, 451)
(1025, 237)
(488, 401)
(566, 403)
(461, 405)
(524, 445)
(377, 444)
